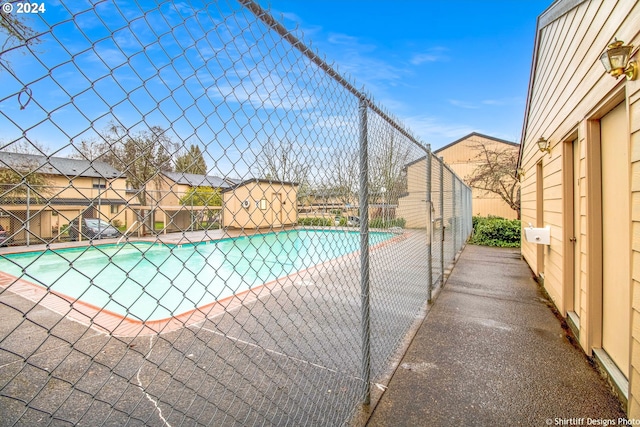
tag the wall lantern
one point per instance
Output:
(520, 173)
(543, 145)
(616, 60)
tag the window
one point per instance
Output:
(99, 183)
(115, 209)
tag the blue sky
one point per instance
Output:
(446, 68)
(213, 76)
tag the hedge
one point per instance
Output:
(316, 221)
(496, 231)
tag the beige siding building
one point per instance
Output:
(463, 157)
(260, 203)
(412, 205)
(70, 188)
(170, 187)
(169, 192)
(586, 189)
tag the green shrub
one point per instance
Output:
(495, 231)
(316, 221)
(202, 196)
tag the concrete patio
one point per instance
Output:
(491, 352)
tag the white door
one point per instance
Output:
(616, 231)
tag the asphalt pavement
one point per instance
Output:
(492, 352)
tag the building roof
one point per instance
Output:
(514, 144)
(58, 166)
(259, 180)
(195, 180)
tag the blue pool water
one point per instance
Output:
(148, 281)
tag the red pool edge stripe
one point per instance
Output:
(111, 323)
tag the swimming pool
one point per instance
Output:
(147, 282)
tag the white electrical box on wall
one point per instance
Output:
(541, 236)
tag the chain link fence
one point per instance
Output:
(203, 223)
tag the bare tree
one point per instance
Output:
(282, 160)
(344, 168)
(495, 173)
(24, 146)
(89, 149)
(387, 167)
(17, 33)
(140, 155)
(21, 177)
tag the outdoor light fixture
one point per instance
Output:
(520, 172)
(616, 60)
(543, 145)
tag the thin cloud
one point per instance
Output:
(296, 25)
(421, 58)
(504, 101)
(435, 54)
(463, 104)
(350, 43)
(431, 129)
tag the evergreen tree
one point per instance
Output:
(191, 162)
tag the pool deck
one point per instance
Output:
(116, 324)
(296, 345)
(488, 351)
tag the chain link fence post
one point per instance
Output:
(454, 218)
(364, 254)
(442, 222)
(429, 220)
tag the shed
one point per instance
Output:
(260, 203)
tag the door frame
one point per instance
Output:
(569, 226)
(592, 339)
(593, 173)
(540, 249)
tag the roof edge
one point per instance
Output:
(557, 9)
(504, 141)
(259, 181)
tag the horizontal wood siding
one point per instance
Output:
(633, 96)
(569, 87)
(463, 160)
